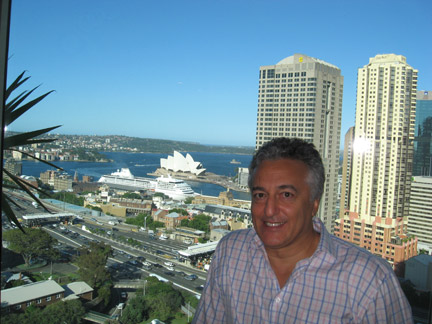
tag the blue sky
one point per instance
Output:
(188, 69)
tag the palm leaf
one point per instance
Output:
(24, 138)
(9, 212)
(13, 115)
(14, 109)
(38, 159)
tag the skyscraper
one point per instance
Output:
(423, 135)
(301, 97)
(420, 215)
(376, 215)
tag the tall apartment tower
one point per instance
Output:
(346, 170)
(301, 97)
(376, 215)
(423, 135)
(420, 215)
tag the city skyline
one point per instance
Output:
(188, 70)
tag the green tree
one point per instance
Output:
(92, 263)
(139, 219)
(179, 211)
(188, 200)
(163, 300)
(32, 244)
(68, 312)
(131, 195)
(200, 222)
(136, 311)
(69, 197)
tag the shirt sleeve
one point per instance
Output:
(390, 305)
(211, 309)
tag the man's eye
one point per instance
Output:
(259, 195)
(287, 194)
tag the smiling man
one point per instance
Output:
(288, 268)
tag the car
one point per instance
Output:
(123, 294)
(157, 265)
(147, 267)
(191, 277)
(169, 273)
(200, 287)
(170, 268)
(140, 258)
(169, 264)
(181, 273)
(146, 263)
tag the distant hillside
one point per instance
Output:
(120, 143)
(150, 145)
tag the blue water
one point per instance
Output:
(141, 164)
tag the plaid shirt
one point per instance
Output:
(339, 283)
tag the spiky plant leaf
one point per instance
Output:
(14, 109)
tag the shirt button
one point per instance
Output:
(278, 300)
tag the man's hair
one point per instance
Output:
(294, 149)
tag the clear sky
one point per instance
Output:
(188, 69)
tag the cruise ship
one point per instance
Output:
(124, 179)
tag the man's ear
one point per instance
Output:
(315, 207)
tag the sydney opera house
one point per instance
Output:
(179, 163)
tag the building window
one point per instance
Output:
(38, 301)
(17, 306)
(48, 298)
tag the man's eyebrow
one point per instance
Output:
(287, 186)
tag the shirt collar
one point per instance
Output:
(325, 244)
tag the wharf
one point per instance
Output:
(208, 177)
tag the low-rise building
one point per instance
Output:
(225, 198)
(39, 294)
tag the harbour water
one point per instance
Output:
(141, 164)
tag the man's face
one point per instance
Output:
(282, 209)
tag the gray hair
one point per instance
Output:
(295, 149)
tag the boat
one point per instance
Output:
(124, 179)
(234, 161)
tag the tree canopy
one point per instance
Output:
(179, 211)
(200, 222)
(92, 261)
(69, 312)
(32, 244)
(160, 301)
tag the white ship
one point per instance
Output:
(124, 179)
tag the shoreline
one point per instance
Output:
(208, 177)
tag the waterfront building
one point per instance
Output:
(225, 198)
(13, 166)
(381, 168)
(422, 165)
(178, 163)
(420, 212)
(301, 97)
(242, 177)
(60, 181)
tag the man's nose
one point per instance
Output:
(271, 207)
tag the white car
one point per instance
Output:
(169, 264)
(170, 268)
(146, 263)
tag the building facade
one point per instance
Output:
(301, 97)
(346, 170)
(376, 215)
(420, 214)
(423, 135)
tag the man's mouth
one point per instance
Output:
(273, 224)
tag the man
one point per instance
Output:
(288, 268)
